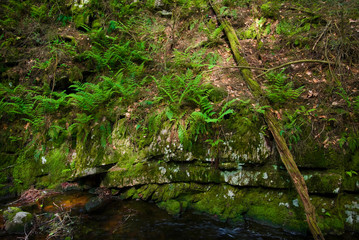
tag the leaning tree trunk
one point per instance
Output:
(273, 126)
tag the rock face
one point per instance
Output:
(95, 204)
(17, 221)
(249, 181)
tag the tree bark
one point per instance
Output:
(273, 126)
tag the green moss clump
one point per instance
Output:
(130, 193)
(270, 10)
(216, 94)
(172, 206)
(11, 212)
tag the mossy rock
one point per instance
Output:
(349, 209)
(223, 201)
(216, 94)
(17, 221)
(97, 24)
(353, 163)
(11, 212)
(270, 9)
(351, 182)
(310, 155)
(173, 207)
(323, 182)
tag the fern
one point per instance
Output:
(279, 90)
(50, 105)
(182, 88)
(39, 12)
(154, 123)
(107, 53)
(89, 96)
(356, 103)
(125, 87)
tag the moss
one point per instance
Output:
(222, 201)
(353, 163)
(275, 208)
(146, 191)
(173, 207)
(75, 74)
(311, 155)
(216, 94)
(331, 225)
(129, 193)
(96, 24)
(26, 169)
(270, 9)
(323, 182)
(351, 183)
(11, 212)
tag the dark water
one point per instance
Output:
(142, 220)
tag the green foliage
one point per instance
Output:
(11, 11)
(356, 104)
(256, 30)
(50, 104)
(39, 12)
(89, 96)
(64, 19)
(16, 102)
(344, 95)
(270, 9)
(351, 139)
(180, 89)
(290, 29)
(195, 60)
(125, 87)
(109, 53)
(293, 123)
(202, 121)
(213, 33)
(155, 123)
(279, 90)
(297, 31)
(122, 8)
(351, 173)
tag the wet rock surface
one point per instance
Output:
(17, 221)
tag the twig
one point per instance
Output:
(11, 166)
(295, 62)
(274, 68)
(321, 35)
(27, 235)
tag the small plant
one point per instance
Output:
(292, 128)
(64, 19)
(89, 96)
(351, 139)
(40, 12)
(179, 89)
(344, 95)
(280, 90)
(256, 30)
(351, 173)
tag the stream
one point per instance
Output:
(131, 219)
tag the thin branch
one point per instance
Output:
(296, 62)
(321, 35)
(274, 68)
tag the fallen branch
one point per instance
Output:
(273, 126)
(277, 67)
(295, 62)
